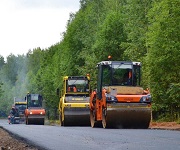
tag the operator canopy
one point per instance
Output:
(120, 73)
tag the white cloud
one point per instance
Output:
(26, 26)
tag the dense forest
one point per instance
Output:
(136, 30)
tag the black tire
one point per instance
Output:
(61, 123)
(26, 120)
(104, 118)
(92, 119)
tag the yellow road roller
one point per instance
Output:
(20, 105)
(74, 101)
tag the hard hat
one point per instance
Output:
(109, 57)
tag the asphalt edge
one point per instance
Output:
(24, 140)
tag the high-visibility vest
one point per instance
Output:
(74, 89)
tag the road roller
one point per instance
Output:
(119, 101)
(74, 101)
(20, 105)
(34, 112)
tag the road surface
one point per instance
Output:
(87, 138)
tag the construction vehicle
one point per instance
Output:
(20, 105)
(34, 112)
(74, 101)
(13, 117)
(119, 101)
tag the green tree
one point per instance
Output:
(110, 38)
(164, 54)
(136, 25)
(2, 62)
(1, 91)
(34, 59)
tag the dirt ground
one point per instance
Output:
(165, 125)
(8, 142)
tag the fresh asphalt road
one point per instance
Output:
(87, 138)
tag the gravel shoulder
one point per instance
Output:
(10, 142)
(165, 125)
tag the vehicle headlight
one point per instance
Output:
(110, 98)
(146, 98)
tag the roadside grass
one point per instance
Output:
(52, 122)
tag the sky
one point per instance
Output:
(28, 24)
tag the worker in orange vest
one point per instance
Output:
(72, 89)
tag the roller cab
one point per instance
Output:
(119, 101)
(34, 112)
(74, 101)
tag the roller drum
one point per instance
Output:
(128, 116)
(76, 117)
(38, 120)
